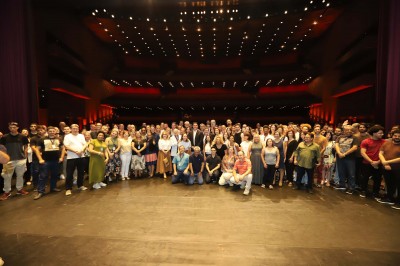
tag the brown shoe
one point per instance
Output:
(5, 196)
(22, 192)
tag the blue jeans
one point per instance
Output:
(347, 170)
(181, 177)
(35, 171)
(54, 168)
(199, 177)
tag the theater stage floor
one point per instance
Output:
(152, 222)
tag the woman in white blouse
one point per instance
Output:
(164, 163)
(126, 154)
(245, 144)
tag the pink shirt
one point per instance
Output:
(242, 166)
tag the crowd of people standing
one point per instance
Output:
(236, 155)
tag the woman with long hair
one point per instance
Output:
(151, 153)
(138, 162)
(220, 147)
(98, 160)
(244, 146)
(113, 166)
(228, 162)
(281, 145)
(270, 159)
(290, 148)
(207, 146)
(126, 155)
(328, 160)
(257, 167)
(233, 144)
(164, 163)
(185, 142)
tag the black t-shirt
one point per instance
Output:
(238, 138)
(221, 150)
(50, 148)
(346, 143)
(196, 162)
(34, 142)
(213, 162)
(15, 146)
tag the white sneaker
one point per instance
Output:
(102, 184)
(246, 191)
(68, 192)
(82, 188)
(62, 177)
(96, 186)
(122, 178)
(263, 186)
(128, 178)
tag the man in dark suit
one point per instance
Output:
(196, 136)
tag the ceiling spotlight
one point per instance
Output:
(248, 17)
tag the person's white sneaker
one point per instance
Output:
(122, 178)
(96, 186)
(263, 186)
(102, 184)
(246, 191)
(62, 177)
(82, 188)
(68, 192)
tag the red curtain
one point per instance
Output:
(18, 100)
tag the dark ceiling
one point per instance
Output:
(194, 53)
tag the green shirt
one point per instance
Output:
(306, 155)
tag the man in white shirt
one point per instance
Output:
(74, 144)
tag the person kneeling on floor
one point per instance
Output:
(242, 173)
(181, 167)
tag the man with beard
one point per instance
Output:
(346, 146)
(390, 157)
(50, 152)
(371, 164)
(307, 156)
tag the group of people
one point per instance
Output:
(229, 154)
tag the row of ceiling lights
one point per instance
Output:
(193, 84)
(199, 29)
(220, 11)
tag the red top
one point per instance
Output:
(372, 148)
(241, 167)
